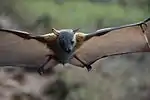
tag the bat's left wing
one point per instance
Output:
(106, 42)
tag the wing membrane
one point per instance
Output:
(17, 51)
(115, 42)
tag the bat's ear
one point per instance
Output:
(75, 30)
(56, 32)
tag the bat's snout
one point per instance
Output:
(68, 50)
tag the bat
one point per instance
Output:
(71, 46)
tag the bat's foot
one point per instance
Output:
(88, 67)
(40, 70)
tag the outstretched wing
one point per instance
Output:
(107, 42)
(21, 34)
(16, 51)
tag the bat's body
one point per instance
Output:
(61, 56)
(60, 45)
(70, 46)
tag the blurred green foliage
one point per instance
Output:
(85, 14)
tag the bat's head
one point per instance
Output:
(66, 39)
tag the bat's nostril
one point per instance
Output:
(68, 50)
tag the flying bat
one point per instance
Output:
(74, 47)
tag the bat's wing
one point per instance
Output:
(16, 51)
(21, 34)
(106, 42)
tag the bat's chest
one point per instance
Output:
(61, 55)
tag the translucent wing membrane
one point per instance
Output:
(17, 51)
(131, 39)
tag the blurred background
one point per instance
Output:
(125, 77)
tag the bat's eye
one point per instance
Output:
(72, 42)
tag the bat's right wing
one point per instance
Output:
(21, 34)
(16, 51)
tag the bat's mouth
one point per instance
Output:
(67, 50)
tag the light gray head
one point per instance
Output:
(66, 39)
